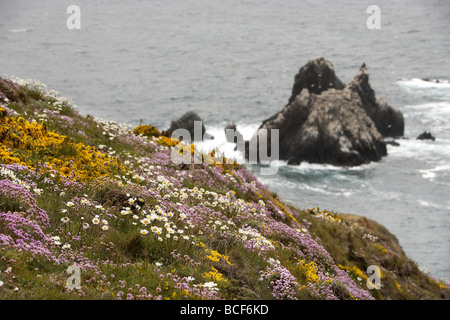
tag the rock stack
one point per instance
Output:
(326, 121)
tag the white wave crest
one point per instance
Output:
(430, 89)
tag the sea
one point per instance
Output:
(150, 61)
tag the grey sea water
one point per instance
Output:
(236, 60)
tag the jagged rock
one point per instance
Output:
(327, 128)
(389, 121)
(187, 122)
(317, 76)
(426, 136)
(336, 125)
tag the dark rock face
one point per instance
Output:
(389, 121)
(332, 123)
(327, 128)
(426, 136)
(392, 143)
(187, 122)
(431, 80)
(316, 76)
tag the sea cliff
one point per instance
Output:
(108, 203)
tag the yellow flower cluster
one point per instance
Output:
(215, 276)
(309, 270)
(152, 132)
(8, 157)
(147, 131)
(441, 285)
(28, 143)
(354, 270)
(215, 256)
(168, 142)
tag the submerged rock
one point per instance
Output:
(426, 136)
(327, 122)
(431, 80)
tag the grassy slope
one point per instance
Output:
(214, 232)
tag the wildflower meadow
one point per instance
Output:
(107, 198)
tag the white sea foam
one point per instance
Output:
(322, 190)
(21, 30)
(427, 150)
(220, 143)
(306, 166)
(420, 83)
(431, 173)
(435, 90)
(437, 109)
(428, 204)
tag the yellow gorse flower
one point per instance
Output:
(215, 276)
(28, 144)
(354, 270)
(147, 131)
(215, 256)
(309, 270)
(168, 142)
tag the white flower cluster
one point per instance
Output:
(211, 286)
(113, 129)
(257, 240)
(221, 226)
(12, 176)
(39, 86)
(371, 237)
(273, 262)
